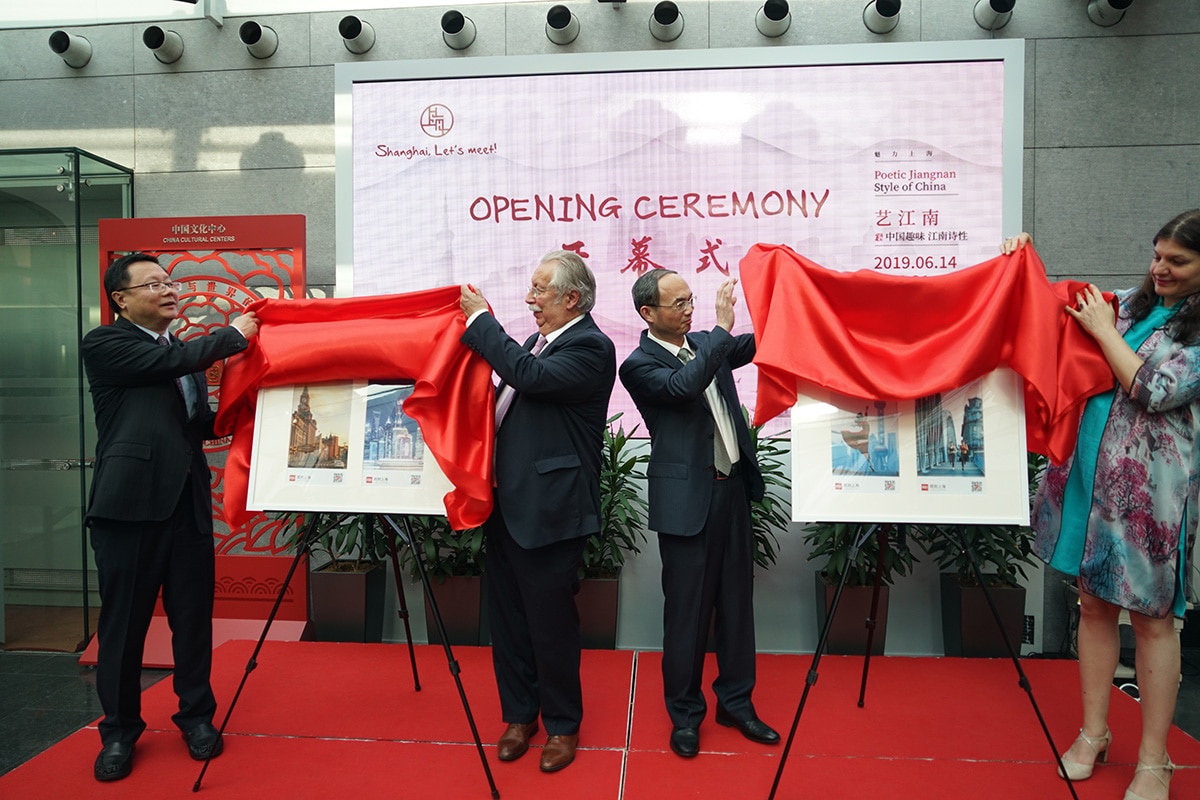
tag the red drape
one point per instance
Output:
(875, 336)
(411, 336)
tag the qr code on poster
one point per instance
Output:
(976, 486)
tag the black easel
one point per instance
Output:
(312, 533)
(811, 678)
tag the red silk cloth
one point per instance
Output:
(874, 336)
(412, 336)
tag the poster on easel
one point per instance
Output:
(953, 457)
(342, 446)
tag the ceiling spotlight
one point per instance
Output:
(1107, 12)
(666, 23)
(992, 15)
(357, 35)
(167, 46)
(881, 16)
(260, 40)
(773, 19)
(561, 25)
(75, 50)
(458, 31)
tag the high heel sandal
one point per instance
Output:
(1157, 770)
(1081, 772)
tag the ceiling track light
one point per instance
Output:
(1107, 12)
(75, 50)
(773, 19)
(260, 40)
(357, 34)
(992, 15)
(666, 23)
(167, 46)
(881, 16)
(458, 31)
(562, 27)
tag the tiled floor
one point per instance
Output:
(45, 697)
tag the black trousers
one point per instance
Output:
(535, 628)
(133, 561)
(710, 576)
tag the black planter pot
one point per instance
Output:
(347, 606)
(848, 636)
(968, 625)
(597, 603)
(460, 602)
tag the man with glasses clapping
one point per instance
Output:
(702, 477)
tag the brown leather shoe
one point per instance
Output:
(558, 752)
(515, 740)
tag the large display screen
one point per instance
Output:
(904, 158)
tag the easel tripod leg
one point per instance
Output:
(311, 534)
(811, 679)
(402, 609)
(1012, 653)
(406, 537)
(874, 615)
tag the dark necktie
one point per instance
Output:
(165, 342)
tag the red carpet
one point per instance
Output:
(341, 720)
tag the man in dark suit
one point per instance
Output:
(702, 476)
(150, 509)
(551, 408)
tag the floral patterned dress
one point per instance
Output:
(1121, 513)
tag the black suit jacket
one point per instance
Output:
(147, 450)
(670, 397)
(548, 447)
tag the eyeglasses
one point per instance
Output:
(681, 304)
(537, 292)
(158, 287)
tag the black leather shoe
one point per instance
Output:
(753, 729)
(203, 741)
(685, 742)
(114, 762)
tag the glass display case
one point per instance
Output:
(51, 202)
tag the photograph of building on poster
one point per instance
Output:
(950, 440)
(393, 446)
(320, 428)
(863, 438)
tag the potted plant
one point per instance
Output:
(622, 531)
(835, 542)
(1002, 553)
(453, 562)
(772, 513)
(347, 579)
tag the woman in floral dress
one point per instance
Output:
(1121, 513)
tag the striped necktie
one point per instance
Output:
(712, 396)
(505, 399)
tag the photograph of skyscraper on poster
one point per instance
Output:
(468, 170)
(342, 446)
(928, 457)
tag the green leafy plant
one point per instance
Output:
(444, 551)
(347, 542)
(834, 541)
(773, 512)
(1003, 551)
(622, 507)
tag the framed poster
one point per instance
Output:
(953, 457)
(342, 446)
